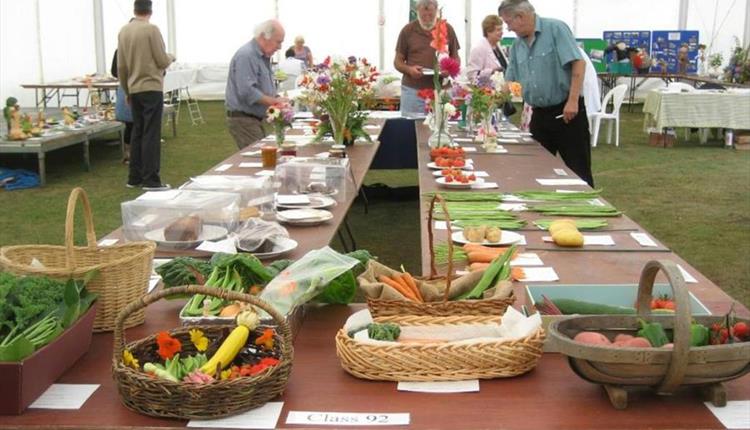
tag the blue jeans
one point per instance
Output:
(411, 104)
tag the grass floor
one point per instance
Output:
(694, 198)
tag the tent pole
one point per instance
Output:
(467, 31)
(101, 64)
(746, 41)
(39, 56)
(684, 6)
(381, 35)
(575, 18)
(171, 28)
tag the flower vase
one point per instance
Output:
(489, 141)
(338, 126)
(440, 136)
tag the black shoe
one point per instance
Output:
(129, 185)
(158, 187)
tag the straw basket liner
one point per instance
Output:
(161, 398)
(439, 361)
(487, 307)
(664, 370)
(123, 270)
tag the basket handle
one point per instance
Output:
(119, 338)
(681, 332)
(431, 242)
(77, 194)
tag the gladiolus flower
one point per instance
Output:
(450, 66)
(440, 36)
(426, 94)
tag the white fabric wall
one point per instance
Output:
(210, 32)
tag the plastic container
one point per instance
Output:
(330, 177)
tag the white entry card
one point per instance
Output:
(470, 386)
(339, 419)
(735, 415)
(690, 279)
(555, 182)
(264, 417)
(251, 164)
(223, 167)
(643, 239)
(65, 396)
(561, 172)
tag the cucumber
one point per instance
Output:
(570, 306)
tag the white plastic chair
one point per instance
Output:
(616, 95)
(680, 86)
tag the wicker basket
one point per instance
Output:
(487, 307)
(662, 369)
(439, 361)
(123, 270)
(161, 398)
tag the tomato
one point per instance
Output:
(668, 304)
(741, 330)
(459, 162)
(654, 304)
(472, 177)
(446, 172)
(448, 179)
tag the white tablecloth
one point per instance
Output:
(698, 109)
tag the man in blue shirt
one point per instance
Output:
(546, 60)
(250, 84)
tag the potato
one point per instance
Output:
(493, 234)
(623, 337)
(637, 342)
(592, 338)
(560, 224)
(475, 234)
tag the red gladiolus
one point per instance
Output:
(440, 36)
(450, 66)
(426, 94)
(168, 346)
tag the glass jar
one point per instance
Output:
(337, 151)
(288, 150)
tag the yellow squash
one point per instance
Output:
(247, 321)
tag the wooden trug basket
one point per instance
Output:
(662, 369)
(445, 307)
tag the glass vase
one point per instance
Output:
(338, 126)
(440, 136)
(489, 142)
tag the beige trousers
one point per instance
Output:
(246, 130)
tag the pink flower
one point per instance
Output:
(450, 66)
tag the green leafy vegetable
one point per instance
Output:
(181, 271)
(386, 331)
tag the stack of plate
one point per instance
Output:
(304, 216)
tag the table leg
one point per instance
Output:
(86, 159)
(122, 143)
(42, 169)
(174, 123)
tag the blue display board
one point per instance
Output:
(633, 39)
(665, 46)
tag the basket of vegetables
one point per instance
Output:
(123, 270)
(657, 351)
(203, 371)
(483, 292)
(429, 348)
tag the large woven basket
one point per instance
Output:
(487, 307)
(123, 271)
(662, 369)
(439, 361)
(161, 398)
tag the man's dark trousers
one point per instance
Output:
(145, 142)
(571, 140)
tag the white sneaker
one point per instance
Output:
(162, 187)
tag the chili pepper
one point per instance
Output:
(698, 334)
(654, 333)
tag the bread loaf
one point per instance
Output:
(184, 229)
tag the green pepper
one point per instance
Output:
(654, 333)
(698, 334)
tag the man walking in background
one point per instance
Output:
(141, 63)
(547, 62)
(250, 86)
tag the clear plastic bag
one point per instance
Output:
(305, 278)
(256, 235)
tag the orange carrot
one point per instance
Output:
(481, 257)
(517, 273)
(401, 281)
(396, 286)
(473, 267)
(413, 285)
(470, 247)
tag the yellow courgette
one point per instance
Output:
(247, 321)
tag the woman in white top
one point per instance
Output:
(487, 58)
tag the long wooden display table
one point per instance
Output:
(550, 396)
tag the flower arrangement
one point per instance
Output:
(486, 95)
(738, 69)
(339, 89)
(281, 117)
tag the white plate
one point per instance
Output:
(439, 173)
(506, 238)
(210, 232)
(316, 202)
(434, 166)
(304, 216)
(282, 245)
(454, 184)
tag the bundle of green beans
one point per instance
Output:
(468, 206)
(581, 224)
(441, 254)
(554, 195)
(487, 216)
(502, 224)
(465, 196)
(576, 210)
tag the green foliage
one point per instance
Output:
(180, 271)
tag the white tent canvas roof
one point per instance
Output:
(50, 40)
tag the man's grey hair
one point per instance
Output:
(426, 3)
(265, 29)
(514, 7)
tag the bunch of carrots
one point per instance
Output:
(480, 257)
(404, 284)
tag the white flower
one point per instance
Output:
(449, 109)
(498, 79)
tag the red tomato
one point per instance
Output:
(459, 162)
(741, 330)
(472, 177)
(448, 179)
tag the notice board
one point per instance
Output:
(664, 47)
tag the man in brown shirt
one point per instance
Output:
(141, 63)
(415, 57)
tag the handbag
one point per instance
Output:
(509, 109)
